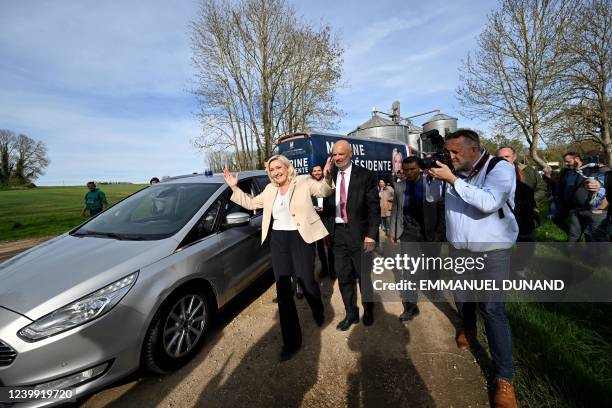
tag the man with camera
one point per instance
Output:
(414, 219)
(478, 193)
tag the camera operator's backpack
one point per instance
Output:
(524, 201)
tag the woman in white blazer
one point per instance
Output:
(294, 227)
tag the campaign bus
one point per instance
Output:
(382, 157)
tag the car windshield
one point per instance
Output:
(157, 212)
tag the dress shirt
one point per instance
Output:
(471, 206)
(413, 201)
(347, 179)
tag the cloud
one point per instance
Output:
(103, 83)
(105, 48)
(364, 41)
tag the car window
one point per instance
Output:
(207, 224)
(249, 187)
(262, 182)
(156, 212)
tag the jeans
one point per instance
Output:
(497, 327)
(581, 221)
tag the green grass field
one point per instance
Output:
(47, 211)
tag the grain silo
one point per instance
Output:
(390, 129)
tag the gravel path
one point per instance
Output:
(11, 248)
(388, 364)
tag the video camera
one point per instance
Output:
(440, 154)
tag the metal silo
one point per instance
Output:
(381, 128)
(443, 123)
(401, 129)
(389, 129)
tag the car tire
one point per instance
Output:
(174, 337)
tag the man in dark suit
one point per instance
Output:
(353, 219)
(414, 219)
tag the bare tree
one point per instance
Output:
(306, 99)
(261, 71)
(7, 146)
(514, 78)
(218, 160)
(497, 141)
(30, 159)
(588, 44)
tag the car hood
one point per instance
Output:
(67, 268)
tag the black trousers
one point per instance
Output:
(292, 256)
(348, 253)
(326, 256)
(413, 234)
(95, 212)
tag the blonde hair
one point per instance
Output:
(284, 161)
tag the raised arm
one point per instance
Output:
(239, 196)
(320, 188)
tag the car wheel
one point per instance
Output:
(177, 330)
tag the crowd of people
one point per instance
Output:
(479, 203)
(579, 196)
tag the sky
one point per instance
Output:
(106, 85)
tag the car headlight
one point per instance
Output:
(79, 312)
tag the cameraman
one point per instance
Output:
(414, 219)
(480, 223)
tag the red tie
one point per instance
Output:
(343, 199)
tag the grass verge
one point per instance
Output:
(47, 211)
(562, 351)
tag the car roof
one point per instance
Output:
(215, 178)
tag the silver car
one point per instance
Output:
(138, 285)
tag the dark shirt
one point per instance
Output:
(413, 202)
(95, 199)
(569, 183)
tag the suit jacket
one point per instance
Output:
(302, 187)
(362, 205)
(433, 214)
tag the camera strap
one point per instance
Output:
(492, 163)
(478, 166)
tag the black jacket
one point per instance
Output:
(362, 205)
(433, 229)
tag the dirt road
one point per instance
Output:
(388, 364)
(11, 248)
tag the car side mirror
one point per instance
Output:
(237, 219)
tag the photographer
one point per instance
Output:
(479, 196)
(414, 219)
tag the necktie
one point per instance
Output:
(343, 198)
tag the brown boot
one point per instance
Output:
(504, 394)
(464, 337)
